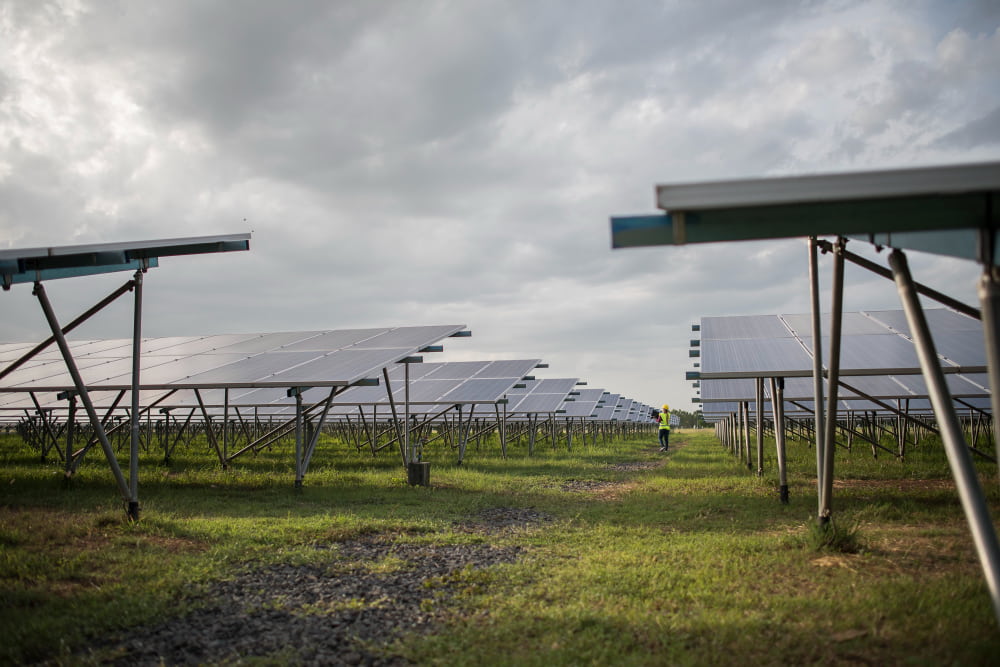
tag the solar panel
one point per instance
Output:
(745, 326)
(876, 359)
(540, 396)
(289, 359)
(479, 390)
(457, 370)
(754, 357)
(537, 403)
(25, 265)
(582, 405)
(327, 341)
(555, 386)
(270, 341)
(409, 337)
(941, 321)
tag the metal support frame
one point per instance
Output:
(464, 433)
(108, 414)
(314, 439)
(969, 490)
(49, 439)
(885, 406)
(210, 431)
(502, 428)
(80, 319)
(930, 293)
(395, 417)
(989, 301)
(81, 390)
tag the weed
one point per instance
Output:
(840, 536)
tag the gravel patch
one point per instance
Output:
(584, 485)
(313, 615)
(496, 520)
(633, 467)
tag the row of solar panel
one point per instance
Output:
(257, 371)
(878, 360)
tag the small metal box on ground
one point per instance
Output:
(419, 473)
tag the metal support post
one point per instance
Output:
(298, 440)
(503, 433)
(759, 382)
(133, 470)
(70, 433)
(745, 407)
(225, 423)
(970, 493)
(817, 343)
(406, 412)
(532, 433)
(829, 438)
(778, 408)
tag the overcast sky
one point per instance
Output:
(404, 163)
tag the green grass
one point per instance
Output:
(694, 562)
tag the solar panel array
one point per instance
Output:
(315, 358)
(878, 360)
(256, 371)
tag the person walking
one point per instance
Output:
(663, 417)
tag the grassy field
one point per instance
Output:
(688, 561)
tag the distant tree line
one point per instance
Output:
(690, 419)
(687, 419)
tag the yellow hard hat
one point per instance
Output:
(666, 407)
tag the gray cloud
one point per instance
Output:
(979, 132)
(405, 163)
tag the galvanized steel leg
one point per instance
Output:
(817, 342)
(759, 382)
(225, 423)
(745, 452)
(298, 440)
(836, 317)
(778, 408)
(406, 413)
(532, 433)
(503, 433)
(133, 471)
(70, 433)
(969, 491)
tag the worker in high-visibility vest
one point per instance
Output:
(664, 419)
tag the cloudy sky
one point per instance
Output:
(437, 162)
